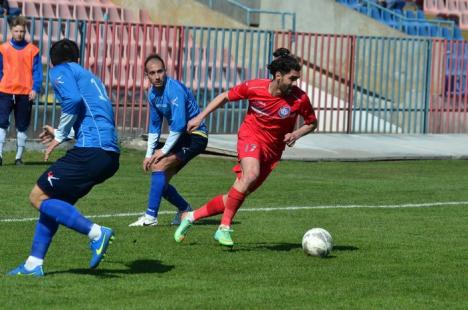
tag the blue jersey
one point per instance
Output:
(85, 106)
(175, 103)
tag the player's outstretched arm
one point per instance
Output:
(217, 102)
(47, 137)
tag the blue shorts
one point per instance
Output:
(21, 105)
(74, 175)
(188, 146)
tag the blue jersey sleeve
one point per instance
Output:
(66, 90)
(156, 119)
(178, 102)
(37, 73)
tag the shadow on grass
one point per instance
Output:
(281, 247)
(212, 222)
(135, 267)
(37, 163)
(345, 248)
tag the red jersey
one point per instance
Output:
(269, 118)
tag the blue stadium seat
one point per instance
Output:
(389, 19)
(446, 34)
(435, 31)
(363, 10)
(420, 14)
(424, 29)
(457, 35)
(353, 4)
(409, 14)
(410, 28)
(375, 14)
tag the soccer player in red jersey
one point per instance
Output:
(268, 127)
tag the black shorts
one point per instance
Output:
(74, 175)
(22, 107)
(188, 146)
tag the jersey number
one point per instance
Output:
(102, 93)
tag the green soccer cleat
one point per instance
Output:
(223, 236)
(182, 230)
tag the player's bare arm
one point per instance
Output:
(217, 102)
(291, 138)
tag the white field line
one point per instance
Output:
(290, 208)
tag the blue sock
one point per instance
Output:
(158, 183)
(46, 228)
(171, 195)
(66, 214)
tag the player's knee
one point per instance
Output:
(36, 197)
(165, 164)
(250, 177)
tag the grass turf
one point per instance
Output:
(384, 258)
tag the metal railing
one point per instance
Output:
(356, 84)
(402, 21)
(251, 12)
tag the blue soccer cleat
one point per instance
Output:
(22, 271)
(99, 247)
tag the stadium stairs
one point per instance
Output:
(415, 23)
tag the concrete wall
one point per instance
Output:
(316, 16)
(235, 11)
(181, 12)
(325, 16)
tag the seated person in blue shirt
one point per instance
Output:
(94, 158)
(169, 99)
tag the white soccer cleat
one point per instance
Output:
(144, 221)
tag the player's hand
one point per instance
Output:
(50, 148)
(194, 123)
(148, 162)
(290, 139)
(32, 95)
(47, 134)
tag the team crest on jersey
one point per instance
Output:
(284, 111)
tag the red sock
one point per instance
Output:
(213, 207)
(233, 203)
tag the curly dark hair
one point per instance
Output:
(283, 62)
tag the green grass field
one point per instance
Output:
(384, 258)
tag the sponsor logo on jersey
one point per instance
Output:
(284, 111)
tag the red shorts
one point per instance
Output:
(247, 147)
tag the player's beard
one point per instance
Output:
(285, 89)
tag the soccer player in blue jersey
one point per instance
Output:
(169, 99)
(95, 157)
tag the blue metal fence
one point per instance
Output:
(356, 84)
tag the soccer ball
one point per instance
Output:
(317, 242)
